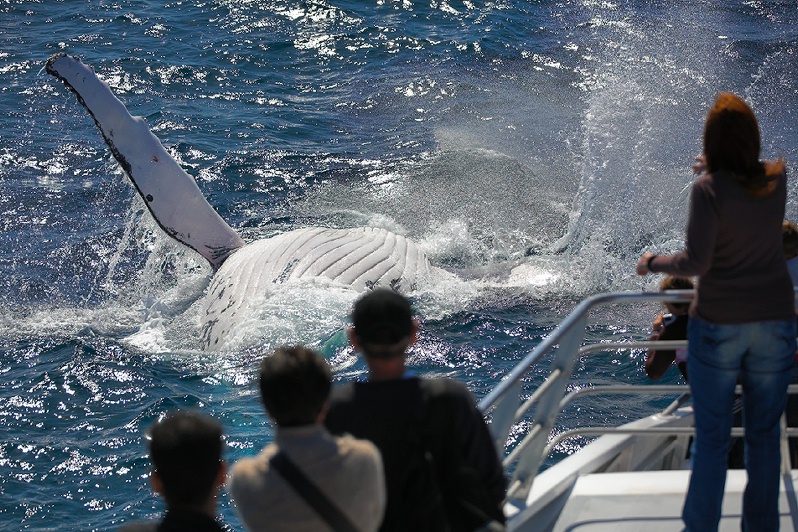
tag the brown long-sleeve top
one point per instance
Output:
(733, 244)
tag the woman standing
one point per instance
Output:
(742, 321)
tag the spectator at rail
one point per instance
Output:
(307, 480)
(669, 325)
(742, 319)
(441, 467)
(789, 240)
(187, 470)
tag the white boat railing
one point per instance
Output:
(525, 456)
(787, 432)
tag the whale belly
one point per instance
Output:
(362, 258)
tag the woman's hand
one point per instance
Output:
(656, 327)
(642, 263)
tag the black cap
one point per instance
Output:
(382, 317)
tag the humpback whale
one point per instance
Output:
(362, 257)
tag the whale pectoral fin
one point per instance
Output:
(171, 195)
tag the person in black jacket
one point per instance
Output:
(442, 470)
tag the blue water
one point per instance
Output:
(534, 149)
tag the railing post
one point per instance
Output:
(785, 446)
(548, 408)
(504, 416)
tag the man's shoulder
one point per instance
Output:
(444, 386)
(359, 454)
(342, 392)
(369, 391)
(251, 467)
(350, 445)
(447, 394)
(409, 390)
(439, 384)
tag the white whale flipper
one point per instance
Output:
(362, 257)
(171, 195)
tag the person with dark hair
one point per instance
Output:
(346, 473)
(670, 325)
(789, 241)
(742, 319)
(441, 468)
(187, 470)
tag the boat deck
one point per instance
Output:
(652, 502)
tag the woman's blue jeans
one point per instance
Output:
(761, 355)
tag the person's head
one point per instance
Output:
(672, 282)
(789, 239)
(732, 141)
(186, 453)
(294, 385)
(382, 325)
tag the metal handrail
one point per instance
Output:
(619, 389)
(565, 342)
(787, 432)
(569, 323)
(736, 432)
(504, 401)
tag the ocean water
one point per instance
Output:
(533, 149)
